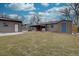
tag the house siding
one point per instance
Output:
(69, 30)
(10, 27)
(58, 27)
(68, 26)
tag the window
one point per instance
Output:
(5, 24)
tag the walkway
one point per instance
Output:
(8, 34)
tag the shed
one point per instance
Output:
(8, 25)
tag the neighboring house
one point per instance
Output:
(38, 27)
(55, 26)
(8, 25)
(64, 26)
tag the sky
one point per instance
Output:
(25, 11)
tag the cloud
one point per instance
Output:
(45, 4)
(54, 13)
(57, 4)
(56, 9)
(32, 13)
(27, 18)
(43, 13)
(15, 16)
(44, 16)
(39, 13)
(21, 6)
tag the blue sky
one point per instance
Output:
(46, 10)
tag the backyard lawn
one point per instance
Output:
(40, 44)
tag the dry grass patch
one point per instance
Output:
(40, 43)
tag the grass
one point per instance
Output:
(40, 44)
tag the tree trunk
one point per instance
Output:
(77, 22)
(78, 26)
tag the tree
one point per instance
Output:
(75, 8)
(35, 19)
(66, 13)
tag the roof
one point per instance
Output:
(9, 19)
(51, 22)
(55, 22)
(37, 25)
